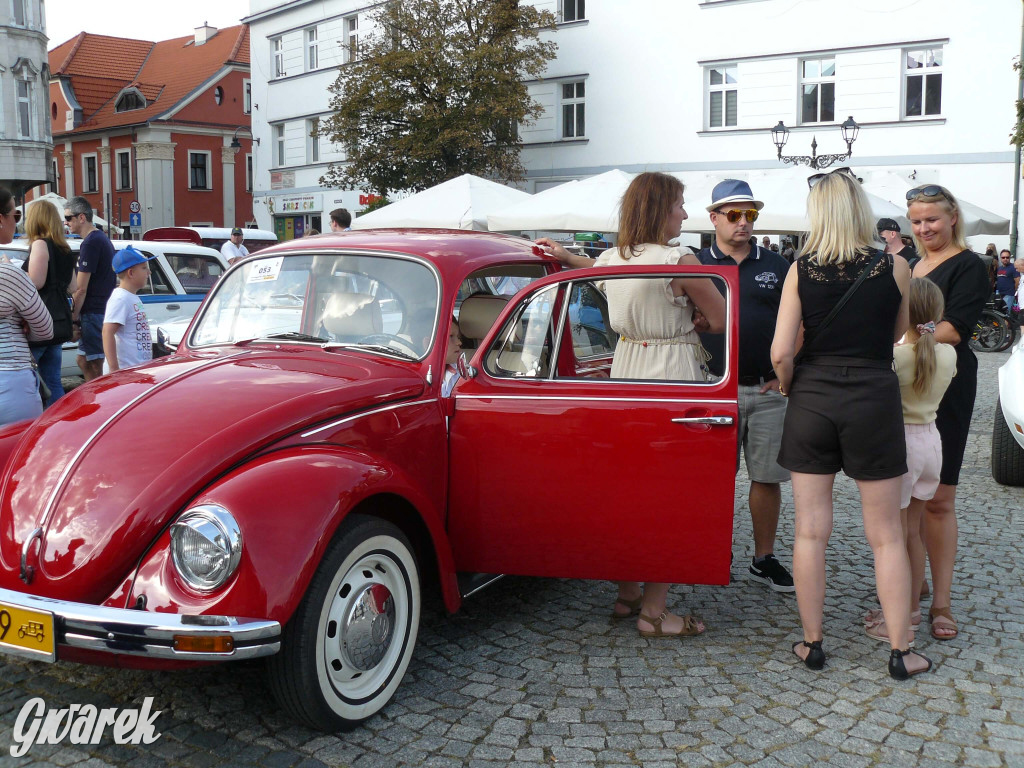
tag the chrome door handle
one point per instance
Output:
(714, 421)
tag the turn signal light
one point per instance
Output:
(1018, 428)
(204, 644)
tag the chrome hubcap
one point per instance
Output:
(368, 627)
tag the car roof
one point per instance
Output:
(175, 247)
(447, 248)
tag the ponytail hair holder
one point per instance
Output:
(928, 327)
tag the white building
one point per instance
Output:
(25, 142)
(697, 85)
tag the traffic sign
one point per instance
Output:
(134, 206)
(134, 219)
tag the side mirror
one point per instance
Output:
(465, 370)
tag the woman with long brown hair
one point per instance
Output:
(946, 260)
(49, 262)
(655, 322)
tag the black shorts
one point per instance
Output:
(844, 418)
(953, 418)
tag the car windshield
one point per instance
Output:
(384, 304)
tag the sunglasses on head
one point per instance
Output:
(928, 190)
(734, 216)
(812, 181)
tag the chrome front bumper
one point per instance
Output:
(144, 633)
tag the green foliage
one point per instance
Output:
(373, 205)
(437, 92)
(1017, 137)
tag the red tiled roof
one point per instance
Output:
(165, 72)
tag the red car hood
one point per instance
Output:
(104, 469)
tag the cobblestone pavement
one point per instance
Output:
(532, 672)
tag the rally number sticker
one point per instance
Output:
(266, 271)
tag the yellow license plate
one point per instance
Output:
(27, 633)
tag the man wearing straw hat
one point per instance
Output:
(762, 409)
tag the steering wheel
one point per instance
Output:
(388, 340)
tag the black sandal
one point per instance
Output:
(815, 658)
(898, 670)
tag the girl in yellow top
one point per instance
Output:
(924, 368)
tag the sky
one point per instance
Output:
(142, 19)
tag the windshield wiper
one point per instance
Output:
(296, 336)
(372, 347)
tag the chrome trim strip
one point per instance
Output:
(144, 633)
(361, 414)
(73, 463)
(483, 585)
(585, 398)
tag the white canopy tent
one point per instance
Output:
(590, 205)
(892, 187)
(459, 203)
(61, 203)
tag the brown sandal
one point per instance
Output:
(632, 605)
(943, 619)
(691, 627)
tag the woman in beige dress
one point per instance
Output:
(657, 339)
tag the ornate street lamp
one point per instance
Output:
(780, 135)
(237, 145)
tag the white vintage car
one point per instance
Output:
(181, 276)
(1008, 430)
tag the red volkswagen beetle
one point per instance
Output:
(286, 482)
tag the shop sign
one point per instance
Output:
(282, 179)
(298, 204)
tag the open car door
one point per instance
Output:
(556, 469)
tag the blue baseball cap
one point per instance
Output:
(128, 258)
(732, 191)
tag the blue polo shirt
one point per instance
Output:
(761, 275)
(96, 256)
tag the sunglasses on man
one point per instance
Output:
(71, 216)
(734, 216)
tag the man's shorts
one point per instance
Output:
(924, 460)
(760, 434)
(90, 346)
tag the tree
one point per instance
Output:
(437, 91)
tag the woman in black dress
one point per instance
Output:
(961, 276)
(844, 410)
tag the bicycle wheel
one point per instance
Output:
(991, 332)
(1011, 337)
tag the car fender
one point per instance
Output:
(288, 504)
(1011, 384)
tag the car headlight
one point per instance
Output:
(206, 545)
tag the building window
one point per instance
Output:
(54, 178)
(247, 96)
(922, 82)
(351, 52)
(571, 10)
(574, 124)
(277, 44)
(218, 95)
(124, 169)
(723, 96)
(818, 90)
(312, 50)
(313, 127)
(89, 180)
(20, 12)
(279, 145)
(24, 109)
(199, 170)
(248, 173)
(130, 100)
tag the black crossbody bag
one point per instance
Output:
(839, 305)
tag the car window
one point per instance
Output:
(501, 280)
(523, 348)
(652, 334)
(384, 304)
(158, 284)
(196, 272)
(589, 324)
